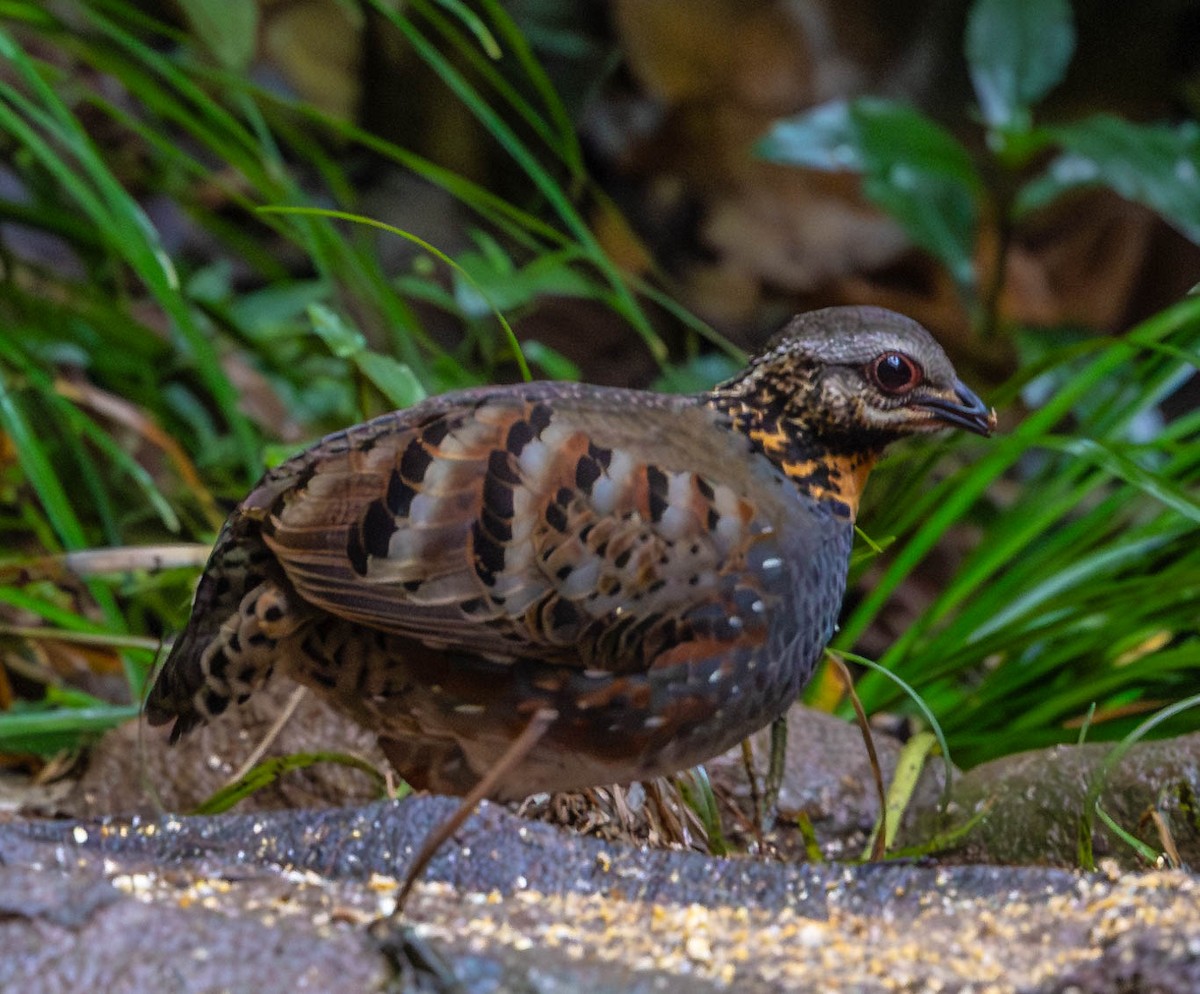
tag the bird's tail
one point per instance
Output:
(243, 607)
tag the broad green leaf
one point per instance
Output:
(696, 374)
(554, 274)
(393, 379)
(494, 255)
(227, 28)
(1017, 51)
(485, 283)
(824, 138)
(869, 135)
(1157, 165)
(895, 134)
(341, 338)
(258, 312)
(552, 362)
(913, 168)
(939, 216)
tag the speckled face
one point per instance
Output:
(866, 373)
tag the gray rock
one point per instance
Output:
(132, 770)
(280, 902)
(1034, 801)
(828, 779)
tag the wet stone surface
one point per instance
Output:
(283, 902)
(1033, 800)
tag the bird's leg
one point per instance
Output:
(513, 755)
(752, 780)
(775, 770)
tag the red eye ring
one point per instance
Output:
(895, 373)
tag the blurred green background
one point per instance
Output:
(645, 190)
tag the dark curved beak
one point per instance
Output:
(966, 410)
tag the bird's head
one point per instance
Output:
(836, 386)
(858, 378)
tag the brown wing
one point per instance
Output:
(582, 527)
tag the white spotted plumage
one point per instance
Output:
(660, 572)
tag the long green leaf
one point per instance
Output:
(1017, 51)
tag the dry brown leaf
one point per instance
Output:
(749, 51)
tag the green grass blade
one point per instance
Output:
(437, 253)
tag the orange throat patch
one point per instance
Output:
(830, 477)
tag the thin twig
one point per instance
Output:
(513, 756)
(81, 638)
(879, 848)
(272, 734)
(84, 563)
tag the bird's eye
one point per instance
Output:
(894, 372)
